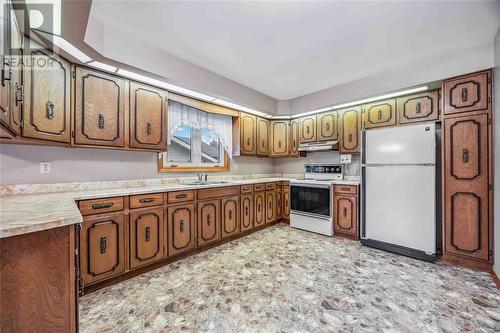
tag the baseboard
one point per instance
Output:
(468, 263)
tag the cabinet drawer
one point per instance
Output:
(270, 186)
(347, 189)
(180, 196)
(146, 200)
(259, 187)
(208, 193)
(96, 206)
(246, 189)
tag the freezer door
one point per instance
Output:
(399, 206)
(414, 144)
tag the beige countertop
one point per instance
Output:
(25, 213)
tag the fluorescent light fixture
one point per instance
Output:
(308, 113)
(140, 77)
(102, 66)
(69, 48)
(240, 108)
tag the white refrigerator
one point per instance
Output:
(398, 201)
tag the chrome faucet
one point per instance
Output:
(202, 176)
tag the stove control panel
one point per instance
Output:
(323, 171)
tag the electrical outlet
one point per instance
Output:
(45, 167)
(345, 159)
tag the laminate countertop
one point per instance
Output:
(26, 213)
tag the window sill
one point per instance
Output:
(170, 168)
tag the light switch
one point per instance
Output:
(45, 167)
(345, 159)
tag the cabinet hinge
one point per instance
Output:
(21, 124)
(73, 74)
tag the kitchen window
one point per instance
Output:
(197, 141)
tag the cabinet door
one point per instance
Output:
(326, 123)
(308, 129)
(208, 222)
(466, 93)
(419, 107)
(100, 102)
(346, 215)
(248, 133)
(146, 236)
(466, 165)
(279, 138)
(379, 114)
(294, 137)
(350, 129)
(262, 137)
(102, 243)
(148, 117)
(260, 204)
(230, 219)
(16, 94)
(286, 202)
(270, 206)
(5, 94)
(47, 110)
(180, 231)
(246, 212)
(279, 202)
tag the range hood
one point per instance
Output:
(319, 146)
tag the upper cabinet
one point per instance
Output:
(100, 102)
(278, 134)
(248, 133)
(262, 137)
(294, 137)
(308, 129)
(350, 130)
(466, 93)
(327, 128)
(379, 114)
(47, 110)
(148, 117)
(418, 107)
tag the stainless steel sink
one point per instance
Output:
(205, 183)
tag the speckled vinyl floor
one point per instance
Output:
(286, 280)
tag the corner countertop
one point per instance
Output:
(26, 213)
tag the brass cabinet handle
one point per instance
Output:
(209, 219)
(181, 196)
(19, 93)
(345, 188)
(102, 245)
(181, 225)
(279, 144)
(102, 205)
(465, 94)
(50, 110)
(246, 210)
(258, 207)
(100, 121)
(327, 126)
(379, 114)
(263, 143)
(294, 143)
(345, 212)
(248, 141)
(149, 128)
(147, 234)
(465, 155)
(418, 108)
(230, 214)
(270, 205)
(349, 137)
(146, 200)
(307, 129)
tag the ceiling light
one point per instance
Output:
(102, 66)
(240, 108)
(63, 44)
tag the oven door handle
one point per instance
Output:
(311, 185)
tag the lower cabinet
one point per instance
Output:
(180, 228)
(345, 205)
(208, 222)
(279, 203)
(270, 206)
(230, 219)
(146, 236)
(286, 203)
(260, 213)
(102, 242)
(247, 212)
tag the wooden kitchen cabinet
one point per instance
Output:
(262, 137)
(100, 102)
(294, 137)
(279, 136)
(270, 206)
(102, 243)
(260, 212)
(180, 233)
(146, 236)
(326, 124)
(466, 193)
(471, 92)
(148, 117)
(346, 215)
(418, 107)
(379, 114)
(230, 216)
(279, 202)
(247, 212)
(209, 230)
(308, 129)
(286, 203)
(350, 130)
(248, 134)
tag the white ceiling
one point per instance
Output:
(290, 49)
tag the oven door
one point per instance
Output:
(311, 199)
